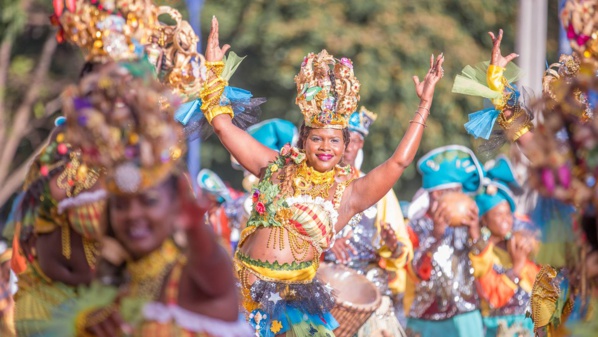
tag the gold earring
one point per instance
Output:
(76, 177)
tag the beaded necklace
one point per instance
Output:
(308, 181)
(149, 273)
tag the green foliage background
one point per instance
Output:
(389, 42)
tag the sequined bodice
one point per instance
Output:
(365, 239)
(450, 289)
(517, 305)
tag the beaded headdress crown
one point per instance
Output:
(327, 91)
(125, 124)
(126, 30)
(106, 29)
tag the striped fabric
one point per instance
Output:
(87, 219)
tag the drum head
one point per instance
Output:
(350, 288)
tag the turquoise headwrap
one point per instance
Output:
(498, 185)
(360, 121)
(450, 166)
(274, 133)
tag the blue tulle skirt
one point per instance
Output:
(291, 319)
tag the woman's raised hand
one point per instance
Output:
(192, 209)
(214, 52)
(425, 88)
(497, 59)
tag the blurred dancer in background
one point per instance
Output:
(445, 299)
(378, 244)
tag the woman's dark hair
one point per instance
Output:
(304, 132)
(88, 67)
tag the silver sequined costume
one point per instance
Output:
(450, 289)
(366, 241)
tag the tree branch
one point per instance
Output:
(5, 49)
(51, 107)
(23, 113)
(16, 179)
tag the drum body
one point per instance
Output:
(356, 297)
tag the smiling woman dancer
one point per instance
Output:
(304, 195)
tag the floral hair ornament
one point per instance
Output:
(327, 91)
(105, 30)
(124, 123)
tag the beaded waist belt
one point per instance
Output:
(303, 272)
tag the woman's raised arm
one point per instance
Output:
(367, 190)
(209, 266)
(250, 153)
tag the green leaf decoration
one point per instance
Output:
(275, 265)
(231, 63)
(311, 93)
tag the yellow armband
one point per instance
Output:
(495, 78)
(517, 125)
(218, 110)
(215, 67)
(497, 82)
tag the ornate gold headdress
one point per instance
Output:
(565, 72)
(106, 30)
(172, 49)
(117, 30)
(326, 96)
(580, 20)
(124, 123)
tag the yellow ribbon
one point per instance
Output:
(304, 275)
(496, 82)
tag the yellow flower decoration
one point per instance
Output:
(283, 215)
(274, 168)
(276, 326)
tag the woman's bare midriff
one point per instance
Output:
(264, 245)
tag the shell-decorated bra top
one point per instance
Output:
(307, 213)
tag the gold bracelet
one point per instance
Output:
(219, 110)
(216, 67)
(420, 115)
(207, 95)
(213, 86)
(527, 127)
(207, 101)
(210, 103)
(423, 107)
(416, 122)
(507, 123)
